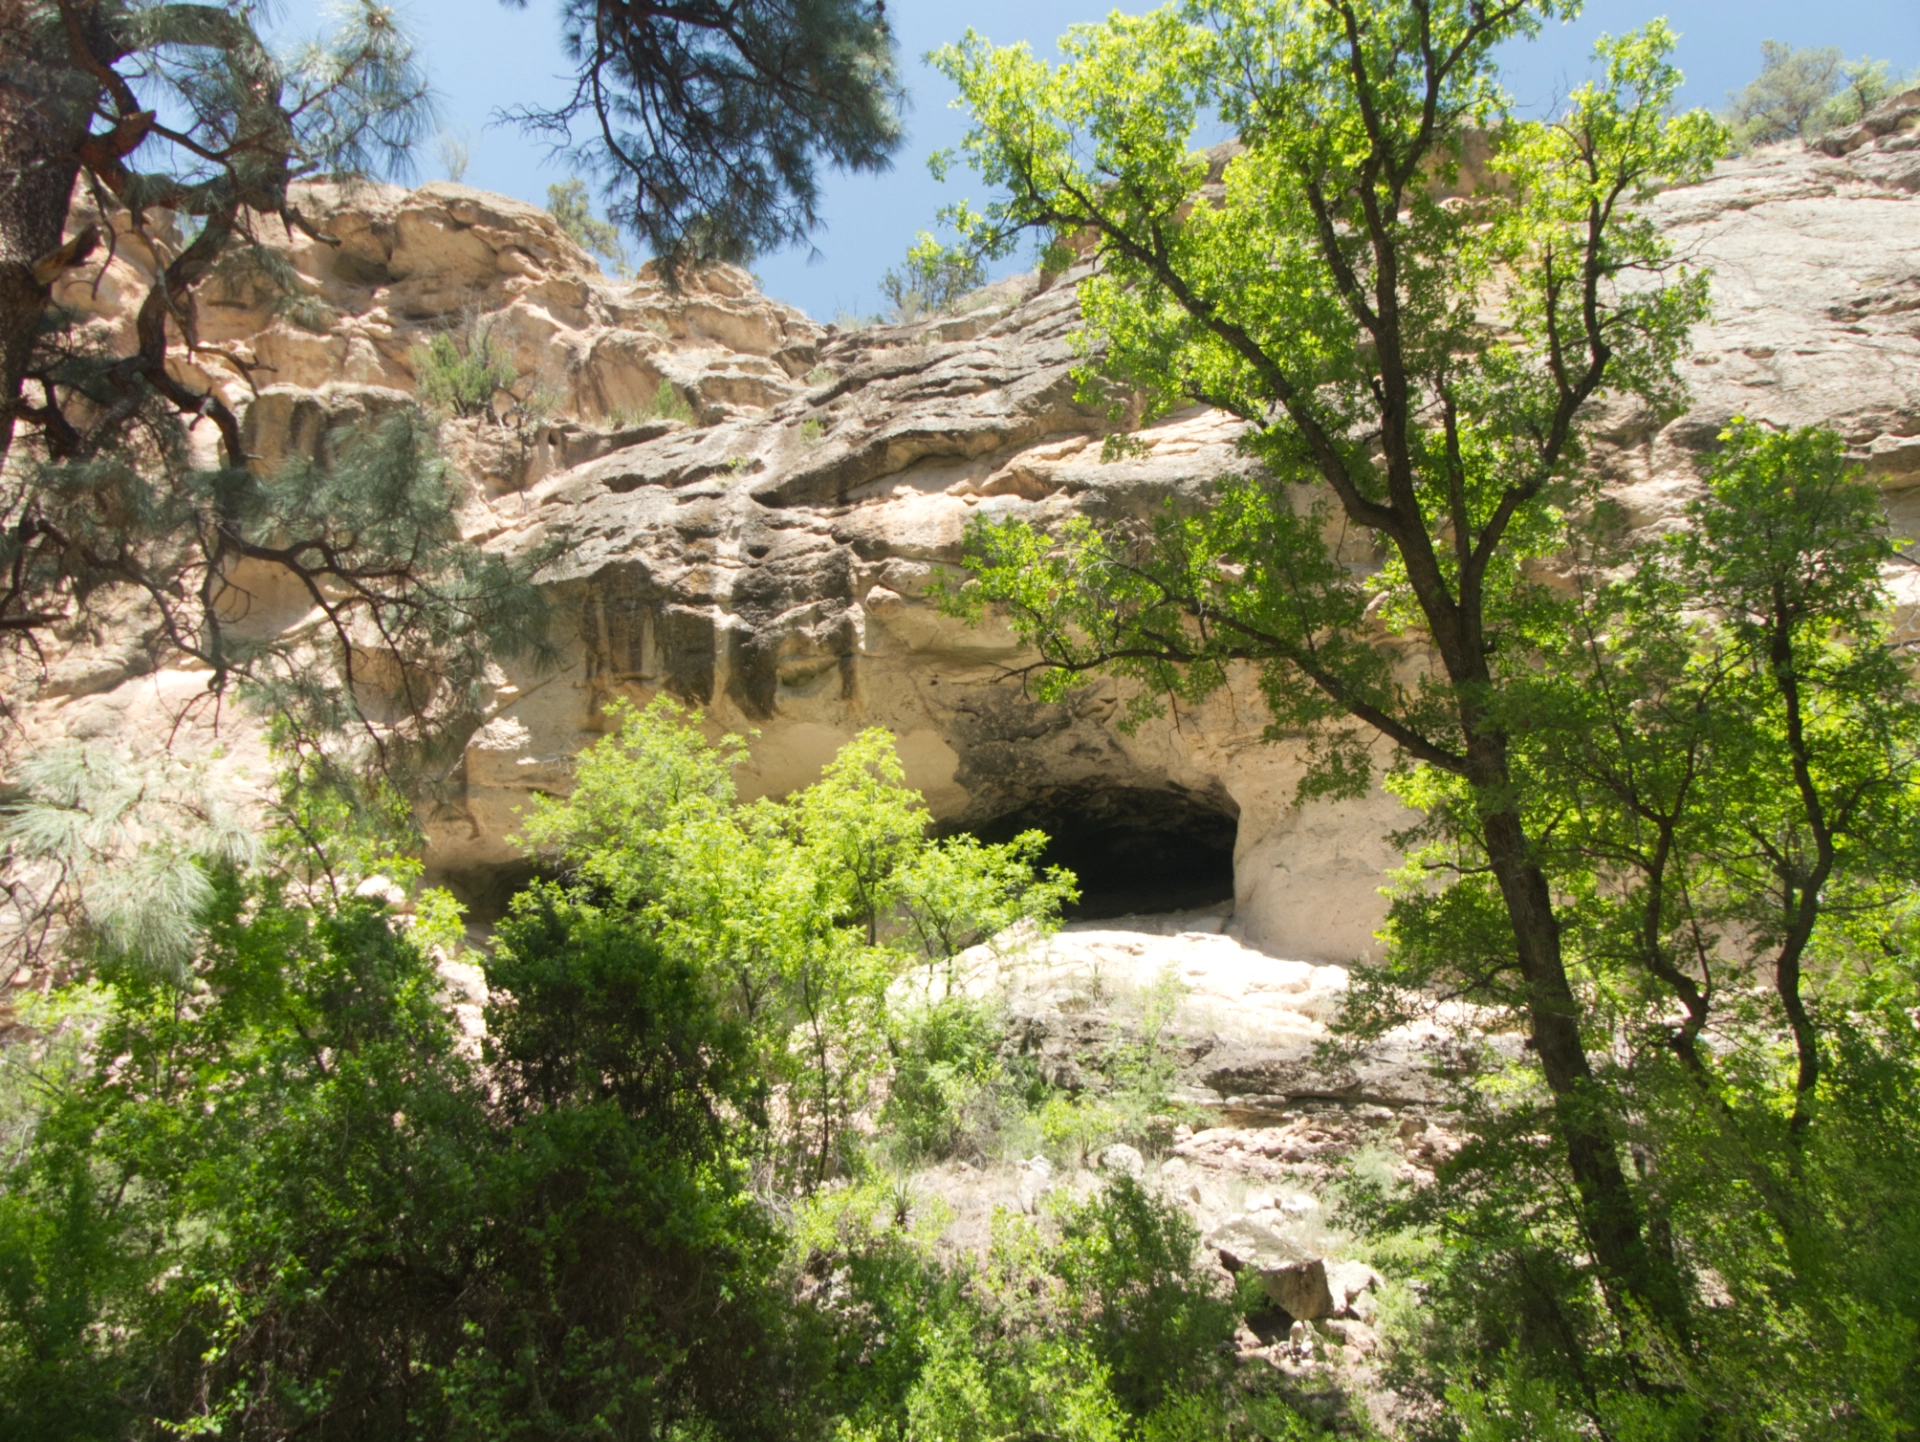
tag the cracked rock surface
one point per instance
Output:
(776, 560)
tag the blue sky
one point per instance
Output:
(483, 56)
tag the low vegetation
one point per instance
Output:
(668, 404)
(568, 204)
(461, 372)
(277, 1190)
(933, 280)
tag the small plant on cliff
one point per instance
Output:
(932, 280)
(461, 371)
(667, 405)
(567, 203)
(670, 405)
(1805, 92)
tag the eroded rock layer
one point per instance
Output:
(773, 561)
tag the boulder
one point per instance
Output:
(1347, 1282)
(1293, 1281)
(1035, 1181)
(1300, 1289)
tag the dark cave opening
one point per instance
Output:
(1135, 849)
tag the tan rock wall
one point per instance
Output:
(773, 563)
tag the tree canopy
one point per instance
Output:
(708, 122)
(1333, 299)
(175, 128)
(1805, 92)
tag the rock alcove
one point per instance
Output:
(777, 560)
(1136, 850)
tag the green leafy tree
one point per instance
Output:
(636, 1270)
(1806, 92)
(213, 1223)
(282, 1194)
(1786, 98)
(801, 912)
(1412, 367)
(862, 826)
(1864, 84)
(1726, 738)
(932, 281)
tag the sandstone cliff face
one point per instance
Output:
(772, 562)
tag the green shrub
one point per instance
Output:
(670, 405)
(286, 1200)
(460, 372)
(1126, 1258)
(567, 203)
(951, 1092)
(1105, 1331)
(799, 912)
(933, 280)
(1806, 92)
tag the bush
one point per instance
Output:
(670, 405)
(587, 1009)
(1103, 1331)
(951, 1093)
(286, 1202)
(798, 913)
(460, 372)
(567, 203)
(1126, 1259)
(932, 281)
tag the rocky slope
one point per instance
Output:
(1275, 1116)
(772, 561)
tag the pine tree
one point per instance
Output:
(709, 120)
(100, 491)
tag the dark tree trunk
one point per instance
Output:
(45, 107)
(1609, 1211)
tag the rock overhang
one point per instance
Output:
(777, 563)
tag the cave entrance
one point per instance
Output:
(1136, 850)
